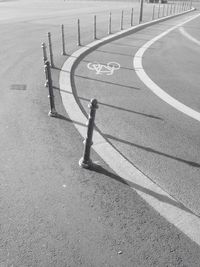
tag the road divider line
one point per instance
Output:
(161, 201)
(190, 37)
(137, 63)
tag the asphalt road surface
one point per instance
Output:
(158, 139)
(52, 212)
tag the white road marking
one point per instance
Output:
(137, 62)
(190, 37)
(107, 69)
(162, 202)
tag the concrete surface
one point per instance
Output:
(52, 212)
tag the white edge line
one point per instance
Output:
(190, 37)
(183, 220)
(137, 62)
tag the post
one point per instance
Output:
(190, 4)
(141, 11)
(167, 9)
(163, 13)
(44, 50)
(171, 9)
(121, 22)
(45, 59)
(79, 34)
(63, 40)
(153, 15)
(50, 50)
(85, 161)
(109, 24)
(174, 8)
(95, 27)
(131, 17)
(159, 10)
(52, 112)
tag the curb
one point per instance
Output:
(163, 203)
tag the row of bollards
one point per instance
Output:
(48, 82)
(172, 8)
(86, 161)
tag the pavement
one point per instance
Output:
(53, 213)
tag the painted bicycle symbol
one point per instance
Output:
(107, 69)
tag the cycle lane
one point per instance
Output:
(127, 128)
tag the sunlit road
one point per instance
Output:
(157, 138)
(52, 212)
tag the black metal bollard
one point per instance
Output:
(163, 11)
(95, 27)
(44, 50)
(52, 112)
(153, 15)
(122, 20)
(45, 59)
(85, 161)
(109, 23)
(159, 10)
(50, 50)
(167, 9)
(131, 17)
(63, 40)
(79, 33)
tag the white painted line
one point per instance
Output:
(137, 62)
(162, 202)
(190, 37)
(107, 69)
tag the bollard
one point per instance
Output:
(171, 9)
(174, 8)
(63, 40)
(45, 59)
(163, 13)
(167, 9)
(85, 161)
(131, 17)
(109, 24)
(122, 19)
(50, 50)
(52, 112)
(159, 10)
(79, 33)
(153, 12)
(95, 27)
(44, 50)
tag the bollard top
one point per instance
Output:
(43, 45)
(93, 104)
(47, 63)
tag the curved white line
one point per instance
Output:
(162, 202)
(190, 37)
(137, 62)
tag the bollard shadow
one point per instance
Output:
(162, 198)
(151, 150)
(107, 82)
(61, 117)
(124, 109)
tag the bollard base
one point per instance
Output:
(85, 164)
(53, 113)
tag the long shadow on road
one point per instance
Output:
(160, 197)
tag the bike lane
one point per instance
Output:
(160, 141)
